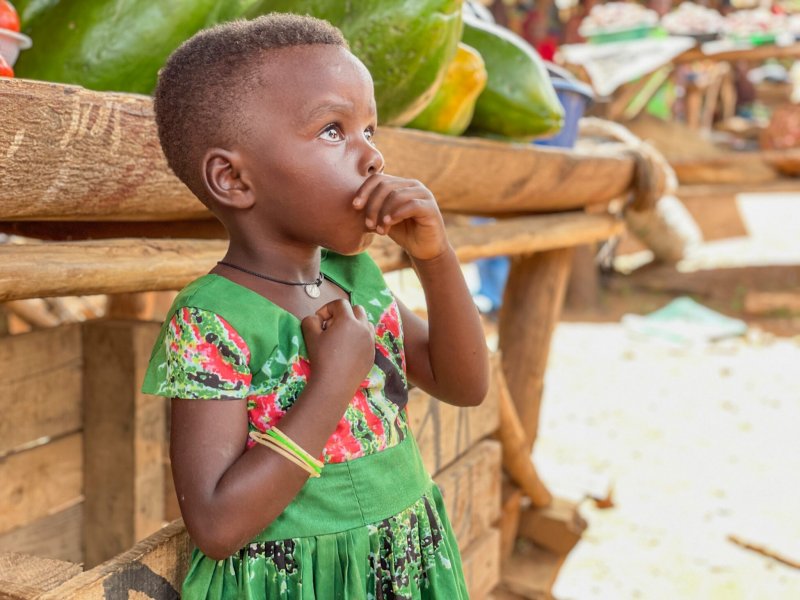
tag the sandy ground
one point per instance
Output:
(698, 443)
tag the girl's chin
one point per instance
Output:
(357, 247)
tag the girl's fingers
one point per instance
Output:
(382, 193)
(363, 193)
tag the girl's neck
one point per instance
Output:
(289, 262)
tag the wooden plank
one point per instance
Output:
(488, 177)
(42, 407)
(749, 168)
(556, 528)
(40, 481)
(530, 572)
(532, 304)
(52, 131)
(716, 214)
(136, 265)
(444, 432)
(481, 563)
(509, 518)
(719, 284)
(25, 577)
(471, 491)
(703, 190)
(124, 474)
(31, 355)
(756, 53)
(526, 235)
(517, 458)
(775, 303)
(58, 536)
(153, 568)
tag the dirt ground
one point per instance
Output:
(698, 443)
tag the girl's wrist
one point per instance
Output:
(446, 253)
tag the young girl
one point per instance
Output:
(288, 364)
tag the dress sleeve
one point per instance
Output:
(204, 358)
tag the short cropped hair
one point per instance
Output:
(197, 98)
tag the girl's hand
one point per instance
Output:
(341, 345)
(406, 211)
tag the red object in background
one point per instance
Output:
(5, 68)
(8, 16)
(547, 48)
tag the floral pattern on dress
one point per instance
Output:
(206, 357)
(372, 421)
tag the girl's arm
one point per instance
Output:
(447, 356)
(228, 494)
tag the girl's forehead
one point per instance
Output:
(304, 80)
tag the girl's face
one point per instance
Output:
(309, 146)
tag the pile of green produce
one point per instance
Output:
(423, 75)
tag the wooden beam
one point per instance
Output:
(42, 396)
(58, 536)
(51, 132)
(556, 528)
(756, 53)
(153, 568)
(40, 481)
(125, 442)
(531, 307)
(481, 562)
(135, 265)
(517, 460)
(25, 577)
(719, 284)
(445, 432)
(471, 491)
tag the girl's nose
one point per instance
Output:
(373, 160)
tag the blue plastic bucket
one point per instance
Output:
(575, 98)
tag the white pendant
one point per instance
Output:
(312, 289)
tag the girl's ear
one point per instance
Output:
(225, 180)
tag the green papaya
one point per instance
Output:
(451, 109)
(406, 45)
(29, 10)
(519, 100)
(116, 45)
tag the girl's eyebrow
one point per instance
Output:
(329, 107)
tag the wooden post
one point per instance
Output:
(124, 439)
(531, 307)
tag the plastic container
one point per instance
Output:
(11, 43)
(575, 97)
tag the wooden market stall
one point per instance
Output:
(83, 455)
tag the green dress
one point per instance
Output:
(374, 525)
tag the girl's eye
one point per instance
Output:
(332, 133)
(369, 134)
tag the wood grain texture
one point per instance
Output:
(124, 475)
(24, 577)
(471, 491)
(40, 481)
(154, 567)
(532, 304)
(135, 265)
(58, 536)
(482, 565)
(84, 155)
(42, 397)
(444, 432)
